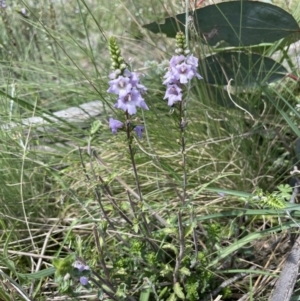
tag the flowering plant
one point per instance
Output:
(126, 85)
(182, 69)
(130, 92)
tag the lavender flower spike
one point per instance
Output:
(125, 84)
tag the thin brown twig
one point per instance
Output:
(39, 263)
(132, 192)
(100, 250)
(181, 248)
(98, 197)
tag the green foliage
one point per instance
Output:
(231, 24)
(63, 266)
(276, 199)
(192, 288)
(247, 69)
(223, 23)
(178, 291)
(227, 294)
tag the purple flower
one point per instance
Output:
(176, 59)
(115, 125)
(130, 101)
(170, 77)
(120, 86)
(139, 129)
(172, 74)
(184, 73)
(129, 90)
(182, 69)
(23, 11)
(193, 61)
(135, 81)
(80, 266)
(173, 94)
(84, 280)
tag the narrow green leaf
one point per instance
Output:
(241, 194)
(252, 212)
(249, 238)
(248, 271)
(145, 294)
(38, 275)
(163, 292)
(3, 295)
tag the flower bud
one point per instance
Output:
(180, 41)
(123, 66)
(115, 53)
(120, 59)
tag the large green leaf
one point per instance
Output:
(221, 97)
(237, 23)
(246, 69)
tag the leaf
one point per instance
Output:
(5, 280)
(297, 149)
(223, 253)
(185, 271)
(63, 266)
(135, 227)
(169, 231)
(172, 297)
(221, 97)
(145, 294)
(188, 230)
(246, 69)
(237, 23)
(163, 291)
(237, 193)
(178, 291)
(3, 295)
(166, 270)
(171, 247)
(38, 275)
